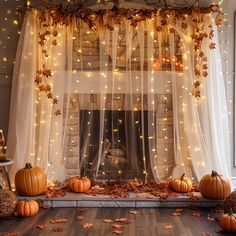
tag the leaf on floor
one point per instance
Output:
(11, 234)
(123, 220)
(117, 226)
(107, 221)
(168, 226)
(118, 231)
(57, 229)
(179, 210)
(55, 221)
(80, 217)
(176, 214)
(135, 212)
(196, 213)
(205, 234)
(211, 218)
(42, 226)
(87, 225)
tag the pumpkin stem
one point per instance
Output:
(182, 176)
(28, 166)
(214, 173)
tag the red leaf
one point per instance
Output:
(176, 214)
(42, 226)
(196, 213)
(118, 232)
(168, 226)
(87, 225)
(117, 226)
(107, 221)
(80, 217)
(123, 220)
(179, 210)
(55, 221)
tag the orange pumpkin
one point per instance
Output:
(80, 185)
(228, 222)
(182, 185)
(214, 186)
(27, 208)
(30, 181)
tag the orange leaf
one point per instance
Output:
(212, 45)
(80, 217)
(168, 226)
(87, 226)
(176, 214)
(118, 231)
(196, 213)
(107, 221)
(123, 220)
(42, 226)
(55, 221)
(117, 226)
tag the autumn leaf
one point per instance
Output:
(123, 220)
(196, 213)
(55, 221)
(204, 66)
(212, 45)
(176, 214)
(179, 210)
(47, 72)
(135, 212)
(107, 221)
(54, 42)
(184, 25)
(42, 226)
(168, 226)
(211, 218)
(117, 226)
(80, 217)
(57, 112)
(49, 95)
(87, 225)
(38, 79)
(54, 33)
(159, 28)
(201, 54)
(118, 232)
(204, 74)
(55, 101)
(57, 229)
(172, 30)
(47, 88)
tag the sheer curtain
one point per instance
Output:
(126, 103)
(36, 135)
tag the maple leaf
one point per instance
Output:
(55, 101)
(218, 20)
(54, 33)
(57, 112)
(80, 217)
(42, 87)
(168, 226)
(212, 45)
(57, 229)
(47, 72)
(38, 79)
(201, 54)
(176, 214)
(55, 221)
(117, 226)
(211, 218)
(184, 25)
(204, 74)
(54, 42)
(123, 220)
(204, 66)
(47, 88)
(87, 225)
(197, 84)
(179, 210)
(196, 213)
(107, 221)
(135, 212)
(42, 226)
(118, 232)
(49, 95)
(172, 30)
(159, 28)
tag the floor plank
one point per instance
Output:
(148, 222)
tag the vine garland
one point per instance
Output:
(50, 16)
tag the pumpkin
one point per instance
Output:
(80, 185)
(30, 181)
(230, 203)
(27, 208)
(8, 203)
(182, 185)
(214, 186)
(228, 222)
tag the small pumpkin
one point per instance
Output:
(8, 203)
(230, 203)
(214, 186)
(80, 185)
(228, 222)
(30, 181)
(182, 185)
(27, 208)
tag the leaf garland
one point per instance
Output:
(50, 16)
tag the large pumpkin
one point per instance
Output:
(214, 186)
(230, 203)
(182, 185)
(228, 222)
(8, 203)
(80, 185)
(27, 208)
(30, 181)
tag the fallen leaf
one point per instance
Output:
(176, 214)
(135, 212)
(168, 226)
(117, 226)
(80, 217)
(55, 221)
(87, 225)
(196, 213)
(42, 226)
(123, 220)
(118, 232)
(107, 221)
(212, 45)
(211, 218)
(57, 229)
(179, 210)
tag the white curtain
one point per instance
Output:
(125, 97)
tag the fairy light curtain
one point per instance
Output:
(118, 82)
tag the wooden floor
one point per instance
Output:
(146, 221)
